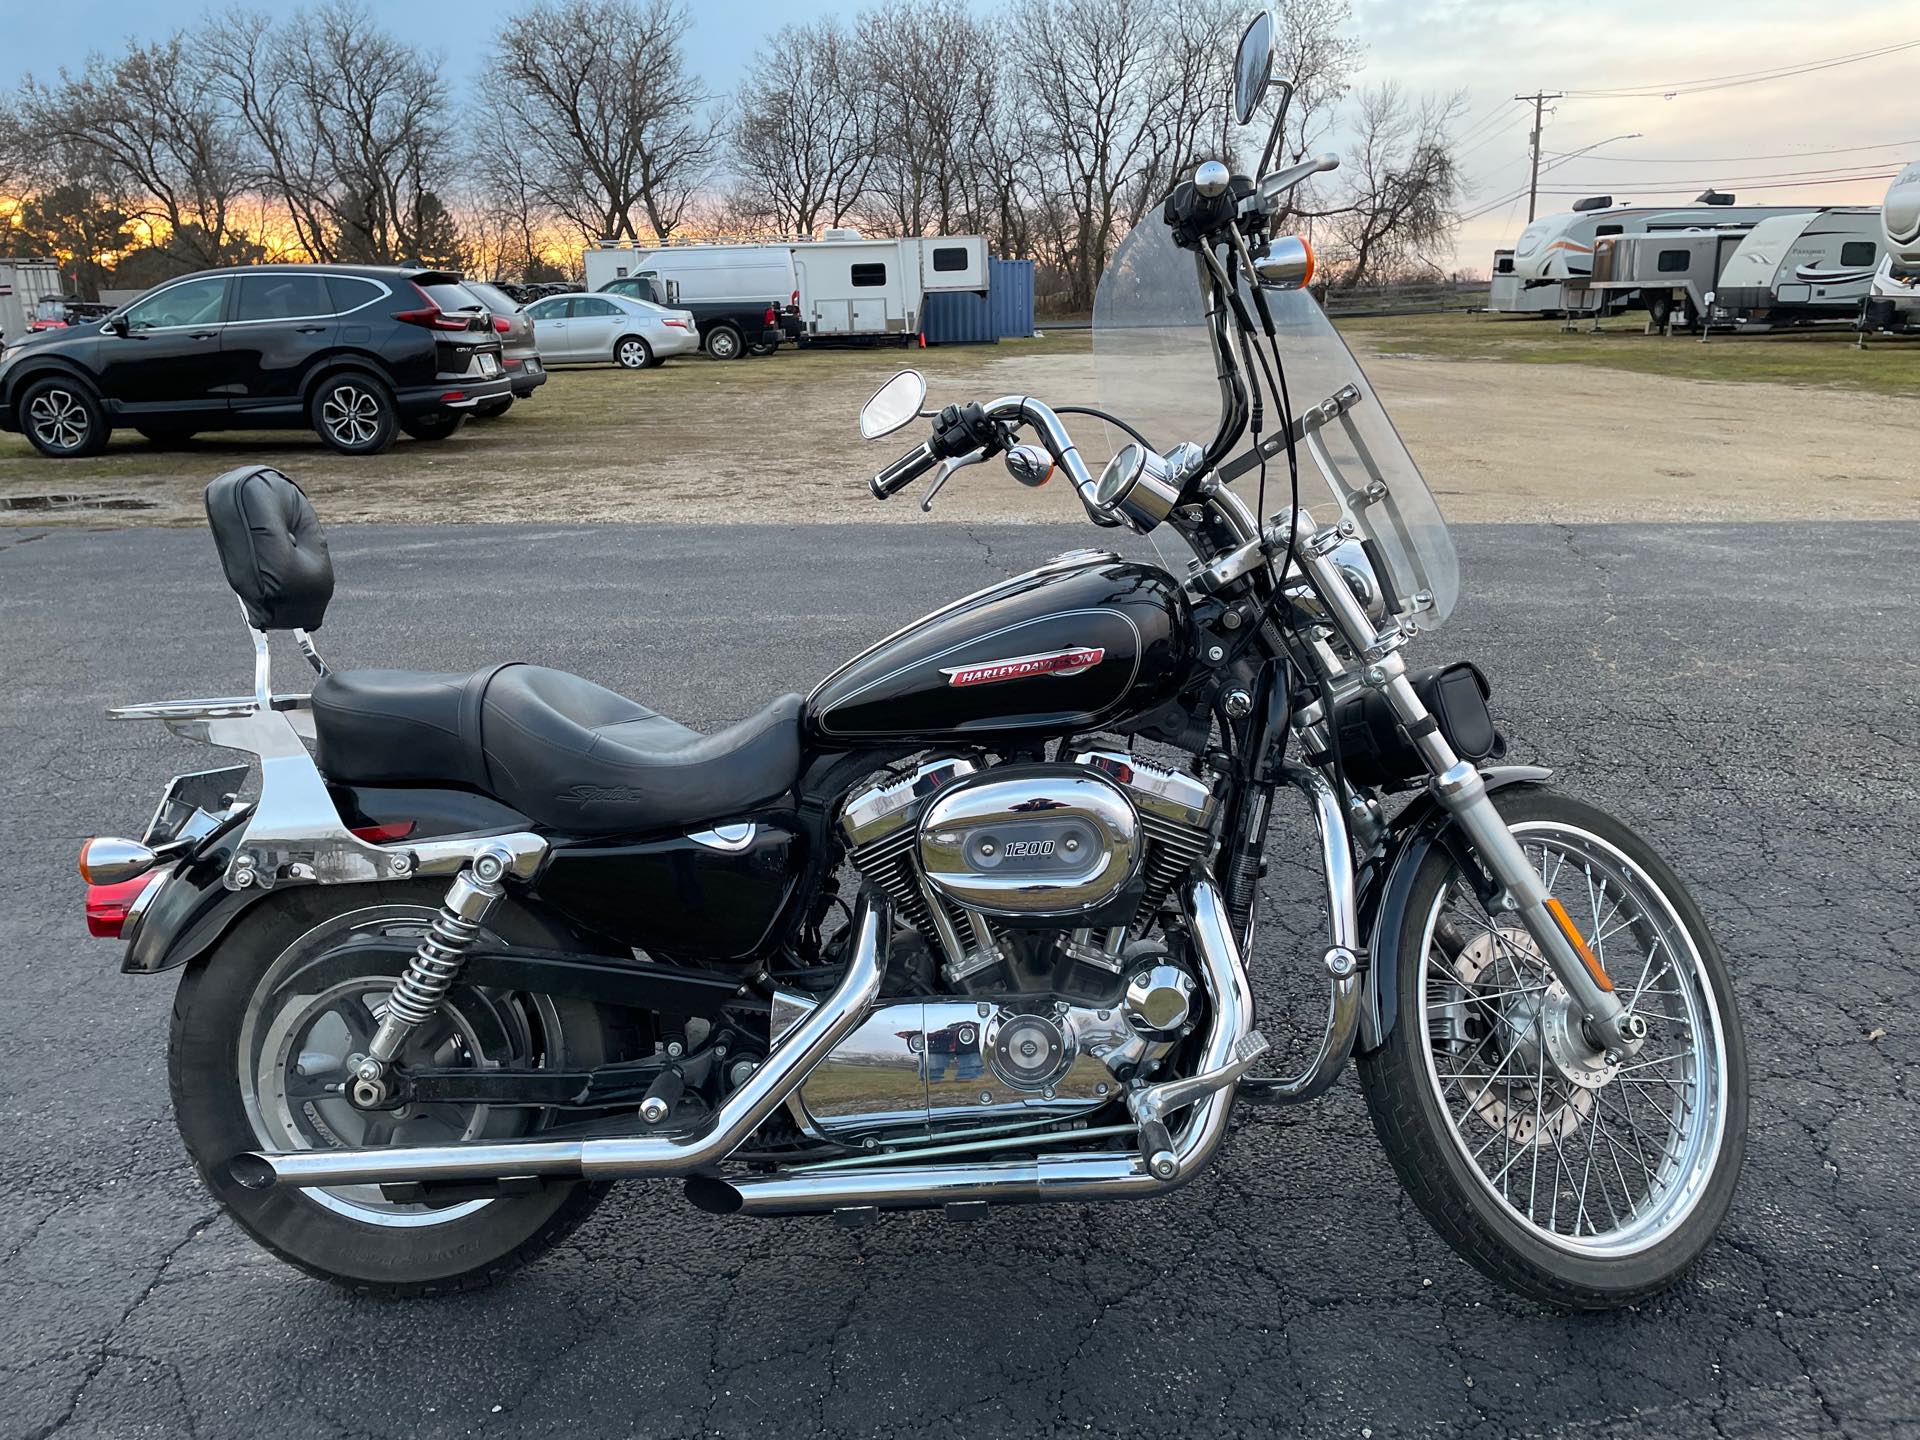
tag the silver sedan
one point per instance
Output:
(596, 329)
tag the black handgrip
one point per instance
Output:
(904, 471)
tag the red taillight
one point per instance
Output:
(431, 315)
(108, 906)
(500, 323)
(772, 317)
(381, 834)
(676, 324)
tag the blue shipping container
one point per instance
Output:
(968, 318)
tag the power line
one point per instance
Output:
(1765, 177)
(1738, 159)
(1773, 185)
(1745, 77)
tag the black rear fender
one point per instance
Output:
(194, 908)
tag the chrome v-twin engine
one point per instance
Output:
(1025, 882)
(1007, 870)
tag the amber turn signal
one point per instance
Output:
(109, 860)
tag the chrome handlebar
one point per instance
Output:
(1016, 409)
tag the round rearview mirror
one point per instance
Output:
(1253, 68)
(893, 404)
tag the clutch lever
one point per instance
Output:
(948, 470)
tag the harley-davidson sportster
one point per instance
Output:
(966, 926)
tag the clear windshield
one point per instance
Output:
(1155, 367)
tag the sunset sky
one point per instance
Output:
(1865, 115)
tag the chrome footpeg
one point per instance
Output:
(1151, 1106)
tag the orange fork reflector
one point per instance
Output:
(1587, 957)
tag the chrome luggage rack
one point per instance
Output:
(294, 834)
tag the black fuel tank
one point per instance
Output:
(1083, 643)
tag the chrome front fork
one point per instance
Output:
(1458, 786)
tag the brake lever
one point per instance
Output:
(948, 470)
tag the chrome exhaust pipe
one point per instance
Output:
(1041, 1179)
(615, 1157)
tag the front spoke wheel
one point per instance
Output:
(1566, 1169)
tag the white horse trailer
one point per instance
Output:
(1796, 268)
(23, 285)
(727, 274)
(854, 287)
(1893, 299)
(1557, 249)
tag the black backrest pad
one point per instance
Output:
(271, 548)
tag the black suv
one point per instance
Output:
(356, 352)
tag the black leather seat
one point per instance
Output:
(561, 750)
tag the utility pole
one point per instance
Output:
(1538, 100)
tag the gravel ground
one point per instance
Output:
(700, 441)
(1734, 691)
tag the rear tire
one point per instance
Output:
(222, 1041)
(433, 427)
(161, 438)
(1442, 963)
(723, 342)
(63, 420)
(630, 352)
(354, 413)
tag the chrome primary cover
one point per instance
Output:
(1034, 841)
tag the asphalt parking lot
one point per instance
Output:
(1745, 695)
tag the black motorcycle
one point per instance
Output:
(966, 926)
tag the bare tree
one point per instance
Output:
(1403, 185)
(804, 130)
(351, 126)
(615, 124)
(1094, 79)
(930, 66)
(152, 120)
(508, 220)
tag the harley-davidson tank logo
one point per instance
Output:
(1070, 661)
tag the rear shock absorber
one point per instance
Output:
(433, 967)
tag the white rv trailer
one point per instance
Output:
(23, 285)
(846, 285)
(1555, 249)
(1672, 271)
(853, 287)
(1893, 301)
(731, 274)
(1508, 295)
(1795, 268)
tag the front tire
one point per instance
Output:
(63, 420)
(1576, 1181)
(256, 1025)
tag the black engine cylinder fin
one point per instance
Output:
(1171, 851)
(889, 864)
